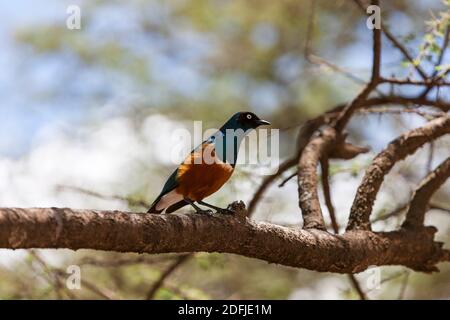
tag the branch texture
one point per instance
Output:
(421, 198)
(307, 179)
(132, 232)
(397, 150)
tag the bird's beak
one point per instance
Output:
(260, 122)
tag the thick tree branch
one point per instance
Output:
(132, 232)
(421, 198)
(397, 150)
(329, 203)
(317, 148)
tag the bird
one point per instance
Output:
(207, 168)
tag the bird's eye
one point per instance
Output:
(249, 116)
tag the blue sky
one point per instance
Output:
(55, 90)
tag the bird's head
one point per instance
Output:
(244, 121)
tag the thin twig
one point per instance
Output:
(389, 278)
(116, 263)
(166, 273)
(419, 203)
(327, 195)
(396, 43)
(315, 59)
(128, 200)
(402, 293)
(429, 166)
(60, 274)
(435, 76)
(287, 179)
(52, 277)
(357, 286)
(376, 64)
(429, 83)
(346, 114)
(384, 110)
(286, 165)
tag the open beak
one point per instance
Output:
(260, 122)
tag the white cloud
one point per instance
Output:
(99, 159)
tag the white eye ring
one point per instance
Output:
(249, 116)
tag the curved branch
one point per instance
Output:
(133, 232)
(320, 148)
(395, 43)
(308, 129)
(359, 101)
(304, 135)
(307, 178)
(421, 198)
(376, 34)
(397, 150)
(165, 274)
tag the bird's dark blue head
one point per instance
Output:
(230, 135)
(244, 121)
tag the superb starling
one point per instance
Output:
(206, 169)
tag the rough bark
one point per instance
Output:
(397, 150)
(421, 198)
(118, 231)
(308, 196)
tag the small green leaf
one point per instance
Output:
(405, 63)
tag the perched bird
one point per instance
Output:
(206, 169)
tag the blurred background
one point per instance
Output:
(86, 117)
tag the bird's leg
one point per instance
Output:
(218, 209)
(197, 208)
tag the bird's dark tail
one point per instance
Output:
(153, 207)
(169, 209)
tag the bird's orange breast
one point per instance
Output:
(202, 174)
